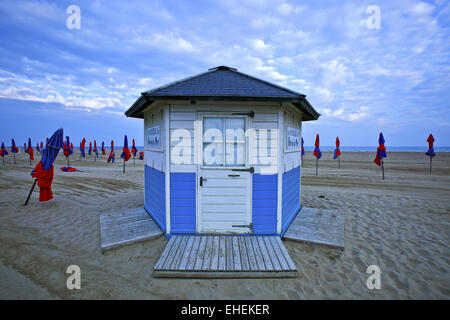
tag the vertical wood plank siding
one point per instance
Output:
(264, 204)
(155, 198)
(182, 202)
(291, 197)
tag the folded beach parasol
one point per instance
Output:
(381, 153)
(43, 172)
(14, 149)
(126, 154)
(3, 151)
(337, 151)
(30, 150)
(111, 157)
(134, 152)
(381, 150)
(67, 147)
(82, 146)
(95, 149)
(430, 151)
(317, 153)
(133, 149)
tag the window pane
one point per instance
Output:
(213, 141)
(235, 141)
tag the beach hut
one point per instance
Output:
(222, 153)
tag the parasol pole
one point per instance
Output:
(124, 165)
(431, 159)
(382, 168)
(339, 161)
(14, 157)
(317, 165)
(3, 160)
(31, 191)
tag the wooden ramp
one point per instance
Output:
(230, 256)
(130, 226)
(318, 226)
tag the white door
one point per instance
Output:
(224, 179)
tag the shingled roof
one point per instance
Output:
(222, 83)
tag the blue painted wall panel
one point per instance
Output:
(155, 195)
(182, 202)
(264, 203)
(290, 198)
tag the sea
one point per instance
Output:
(374, 148)
(354, 149)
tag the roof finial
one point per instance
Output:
(222, 68)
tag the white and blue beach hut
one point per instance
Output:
(222, 153)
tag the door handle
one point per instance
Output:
(201, 181)
(251, 170)
(234, 175)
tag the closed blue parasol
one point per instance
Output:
(51, 151)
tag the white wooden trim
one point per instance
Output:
(197, 130)
(300, 162)
(154, 150)
(167, 165)
(199, 152)
(280, 168)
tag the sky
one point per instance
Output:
(364, 72)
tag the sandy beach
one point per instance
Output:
(401, 224)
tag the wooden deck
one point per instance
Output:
(122, 228)
(318, 226)
(208, 256)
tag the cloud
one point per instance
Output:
(362, 113)
(422, 8)
(336, 71)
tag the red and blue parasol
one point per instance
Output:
(43, 172)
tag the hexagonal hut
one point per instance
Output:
(222, 154)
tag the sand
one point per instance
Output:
(401, 224)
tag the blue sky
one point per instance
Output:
(394, 79)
